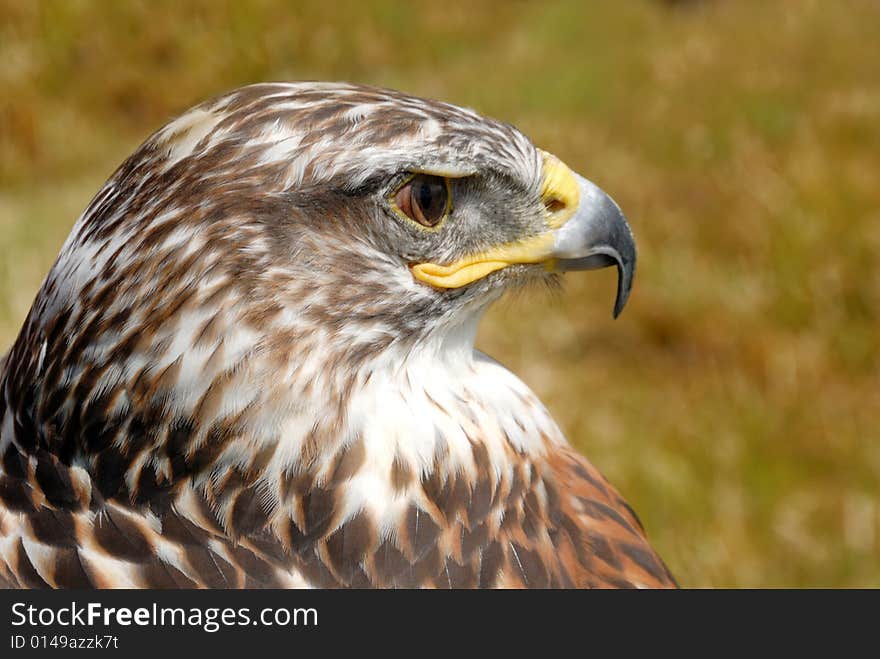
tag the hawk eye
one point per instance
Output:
(424, 199)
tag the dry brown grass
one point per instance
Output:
(736, 401)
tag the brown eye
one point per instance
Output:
(424, 199)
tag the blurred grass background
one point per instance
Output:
(735, 403)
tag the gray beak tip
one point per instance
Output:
(622, 294)
(625, 275)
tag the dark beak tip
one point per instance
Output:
(625, 276)
(625, 273)
(619, 304)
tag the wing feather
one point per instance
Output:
(602, 543)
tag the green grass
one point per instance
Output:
(735, 403)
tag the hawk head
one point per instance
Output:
(369, 211)
(269, 252)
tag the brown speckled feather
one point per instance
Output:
(566, 528)
(599, 539)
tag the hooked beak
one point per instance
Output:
(586, 231)
(597, 236)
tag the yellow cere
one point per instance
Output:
(559, 190)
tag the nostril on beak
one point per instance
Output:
(554, 205)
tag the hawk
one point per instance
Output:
(253, 363)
